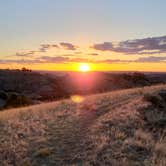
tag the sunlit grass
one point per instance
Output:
(116, 130)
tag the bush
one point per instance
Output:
(155, 100)
(162, 93)
(155, 114)
(3, 95)
(16, 100)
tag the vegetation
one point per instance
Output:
(115, 128)
(17, 100)
(35, 87)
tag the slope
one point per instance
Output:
(105, 129)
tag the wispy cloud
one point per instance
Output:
(151, 59)
(20, 61)
(56, 59)
(94, 54)
(46, 47)
(42, 49)
(63, 59)
(46, 59)
(149, 46)
(23, 54)
(111, 61)
(68, 46)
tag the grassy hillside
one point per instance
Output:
(125, 127)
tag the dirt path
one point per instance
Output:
(68, 139)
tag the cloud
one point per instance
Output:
(106, 46)
(56, 59)
(24, 54)
(68, 46)
(152, 45)
(151, 59)
(69, 55)
(94, 54)
(20, 61)
(62, 59)
(43, 59)
(114, 61)
(46, 59)
(46, 47)
(43, 48)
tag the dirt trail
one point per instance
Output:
(69, 139)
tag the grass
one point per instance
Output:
(116, 128)
(43, 152)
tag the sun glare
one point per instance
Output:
(84, 68)
(77, 98)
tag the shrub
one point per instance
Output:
(155, 114)
(3, 95)
(155, 100)
(16, 100)
(162, 93)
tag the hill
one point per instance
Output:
(126, 127)
(25, 87)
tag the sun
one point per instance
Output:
(84, 67)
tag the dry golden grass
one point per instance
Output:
(105, 129)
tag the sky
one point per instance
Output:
(109, 35)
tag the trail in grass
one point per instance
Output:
(68, 137)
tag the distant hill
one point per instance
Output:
(125, 127)
(26, 87)
(31, 86)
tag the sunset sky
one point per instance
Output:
(109, 35)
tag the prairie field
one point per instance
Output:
(120, 128)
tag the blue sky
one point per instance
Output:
(70, 19)
(27, 24)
